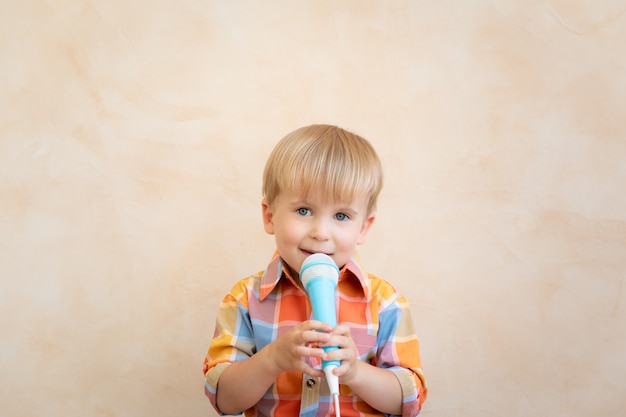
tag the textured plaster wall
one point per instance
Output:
(132, 139)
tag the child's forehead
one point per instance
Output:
(322, 197)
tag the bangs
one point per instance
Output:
(326, 162)
(328, 179)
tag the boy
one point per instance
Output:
(320, 187)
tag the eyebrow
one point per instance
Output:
(338, 206)
(349, 209)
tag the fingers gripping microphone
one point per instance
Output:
(319, 275)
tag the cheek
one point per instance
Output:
(359, 236)
(348, 238)
(287, 231)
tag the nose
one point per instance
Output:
(320, 229)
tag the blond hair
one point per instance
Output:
(334, 162)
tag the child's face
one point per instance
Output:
(303, 226)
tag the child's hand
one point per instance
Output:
(289, 351)
(346, 354)
(376, 386)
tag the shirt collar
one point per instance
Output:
(277, 269)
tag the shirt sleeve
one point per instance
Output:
(232, 341)
(399, 351)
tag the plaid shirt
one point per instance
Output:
(266, 305)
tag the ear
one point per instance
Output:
(268, 217)
(365, 228)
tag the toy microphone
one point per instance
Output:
(319, 275)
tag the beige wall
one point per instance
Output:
(132, 139)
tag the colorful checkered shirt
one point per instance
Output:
(266, 305)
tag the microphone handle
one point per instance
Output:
(322, 295)
(336, 363)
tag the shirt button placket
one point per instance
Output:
(310, 396)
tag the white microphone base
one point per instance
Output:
(333, 386)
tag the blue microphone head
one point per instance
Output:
(319, 275)
(318, 265)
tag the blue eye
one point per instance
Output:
(303, 211)
(342, 217)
